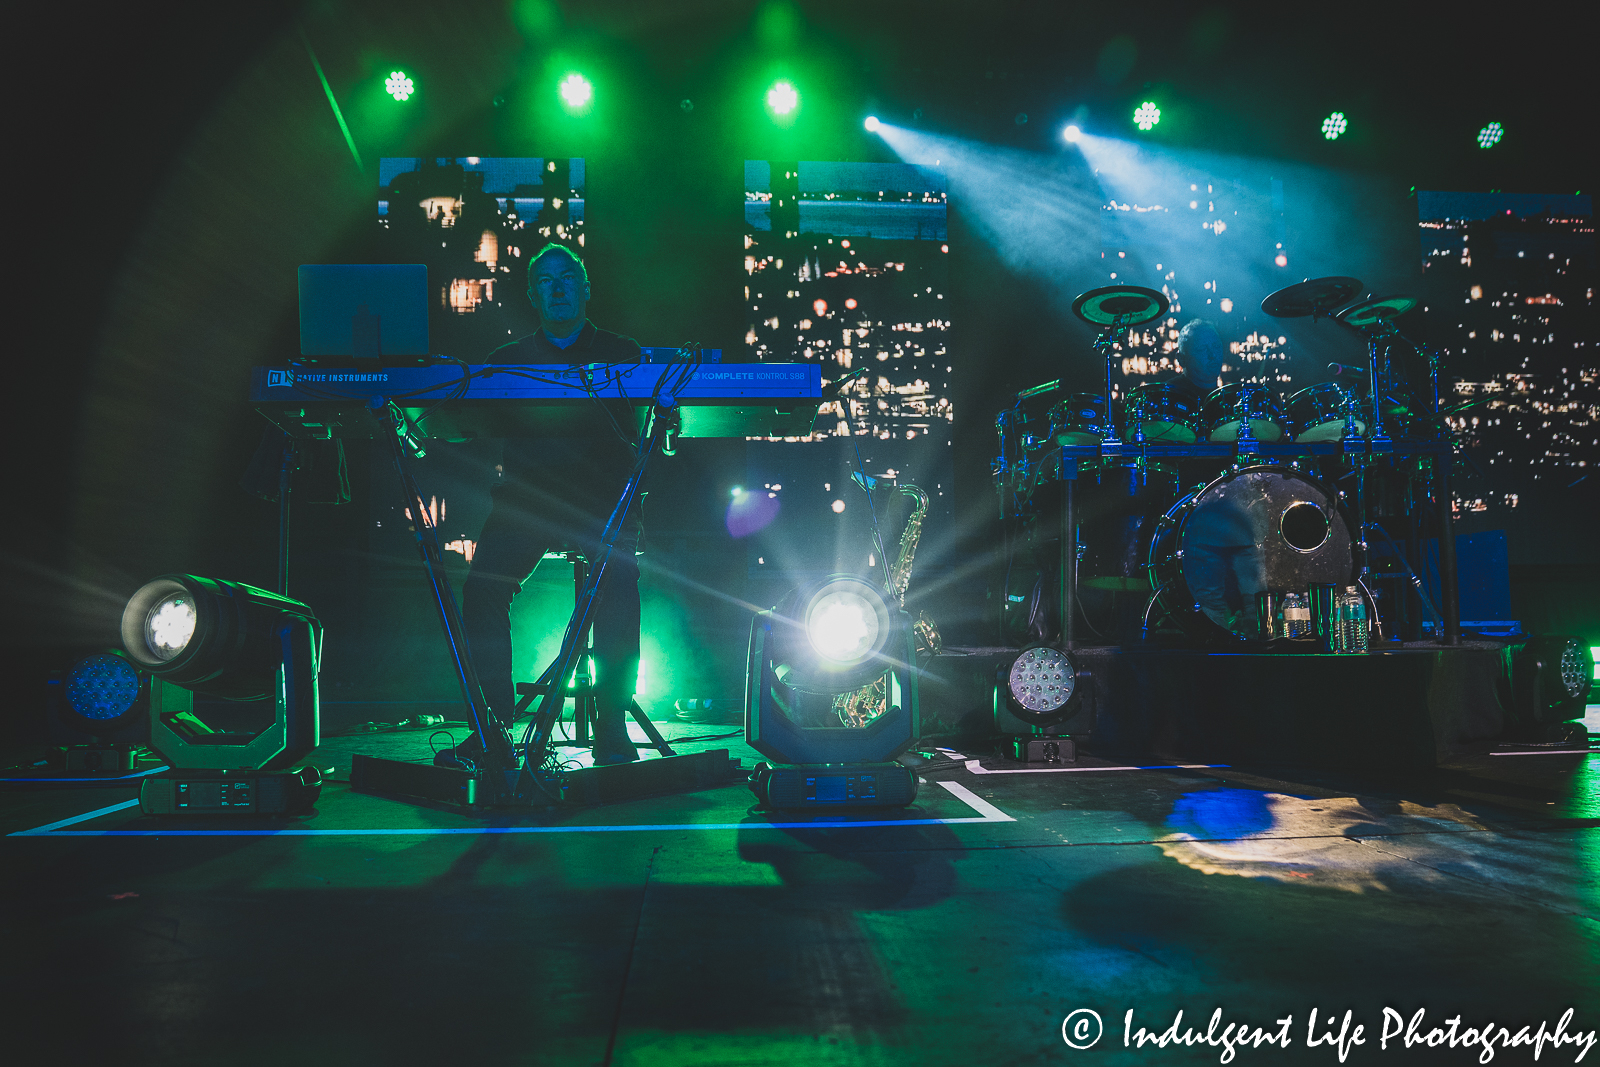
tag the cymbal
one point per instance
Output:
(1131, 304)
(1314, 296)
(1376, 310)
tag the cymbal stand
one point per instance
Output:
(1449, 632)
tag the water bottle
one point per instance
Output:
(1353, 620)
(1296, 615)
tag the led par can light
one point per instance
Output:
(1039, 693)
(1550, 679)
(235, 642)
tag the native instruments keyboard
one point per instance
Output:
(456, 402)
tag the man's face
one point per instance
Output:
(558, 292)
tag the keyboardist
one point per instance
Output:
(558, 493)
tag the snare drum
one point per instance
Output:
(1226, 407)
(1167, 413)
(1080, 419)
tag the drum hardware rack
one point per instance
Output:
(1117, 308)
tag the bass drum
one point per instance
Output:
(1254, 530)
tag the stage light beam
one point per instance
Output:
(399, 86)
(1146, 115)
(1334, 125)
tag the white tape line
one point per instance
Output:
(976, 768)
(977, 803)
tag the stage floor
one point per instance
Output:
(691, 930)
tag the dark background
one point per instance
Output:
(170, 169)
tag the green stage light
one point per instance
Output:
(576, 92)
(1490, 135)
(1334, 125)
(399, 86)
(1146, 115)
(783, 99)
(872, 123)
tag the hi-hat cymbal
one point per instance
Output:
(1314, 296)
(1128, 304)
(1377, 310)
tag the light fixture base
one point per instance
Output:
(206, 792)
(1044, 749)
(833, 785)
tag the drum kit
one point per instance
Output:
(1289, 510)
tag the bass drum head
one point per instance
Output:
(1255, 530)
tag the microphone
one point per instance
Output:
(836, 386)
(1346, 371)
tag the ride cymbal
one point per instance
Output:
(1128, 305)
(1314, 296)
(1376, 310)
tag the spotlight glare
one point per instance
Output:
(1334, 125)
(1072, 134)
(169, 626)
(1490, 135)
(842, 627)
(872, 123)
(576, 92)
(783, 98)
(1146, 115)
(399, 86)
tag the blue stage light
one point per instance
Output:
(1072, 135)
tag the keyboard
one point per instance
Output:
(539, 400)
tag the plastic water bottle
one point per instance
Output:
(1296, 615)
(1353, 620)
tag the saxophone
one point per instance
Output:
(860, 707)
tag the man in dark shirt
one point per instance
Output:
(558, 492)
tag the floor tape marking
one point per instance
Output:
(976, 768)
(85, 817)
(988, 814)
